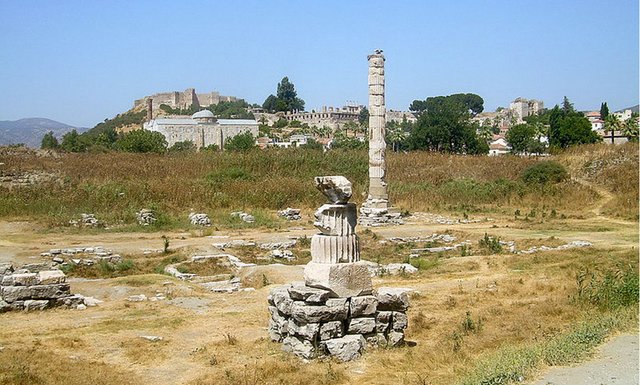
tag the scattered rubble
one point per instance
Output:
(446, 238)
(569, 245)
(152, 338)
(282, 254)
(86, 220)
(199, 219)
(234, 243)
(146, 217)
(376, 269)
(290, 214)
(90, 255)
(244, 216)
(442, 220)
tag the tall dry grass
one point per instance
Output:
(116, 185)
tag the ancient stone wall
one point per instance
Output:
(184, 99)
(35, 288)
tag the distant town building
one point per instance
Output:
(499, 146)
(522, 108)
(185, 99)
(201, 128)
(327, 116)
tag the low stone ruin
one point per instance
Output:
(336, 311)
(86, 220)
(30, 289)
(290, 214)
(199, 219)
(244, 216)
(146, 217)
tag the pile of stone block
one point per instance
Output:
(25, 289)
(199, 219)
(86, 220)
(146, 217)
(244, 216)
(311, 323)
(290, 214)
(335, 311)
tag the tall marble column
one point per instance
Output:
(378, 197)
(376, 210)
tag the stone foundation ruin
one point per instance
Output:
(35, 288)
(336, 311)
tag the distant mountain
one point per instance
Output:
(31, 130)
(633, 109)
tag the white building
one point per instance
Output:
(201, 128)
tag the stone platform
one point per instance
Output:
(311, 323)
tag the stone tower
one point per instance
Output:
(376, 210)
(149, 109)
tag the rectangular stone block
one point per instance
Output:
(392, 298)
(333, 329)
(24, 279)
(279, 297)
(308, 294)
(342, 279)
(383, 321)
(48, 277)
(335, 309)
(361, 325)
(14, 293)
(308, 331)
(35, 304)
(365, 305)
(399, 321)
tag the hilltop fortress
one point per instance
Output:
(184, 99)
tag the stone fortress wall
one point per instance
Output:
(184, 99)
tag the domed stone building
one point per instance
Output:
(201, 128)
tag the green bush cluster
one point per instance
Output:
(545, 172)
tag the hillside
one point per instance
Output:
(31, 130)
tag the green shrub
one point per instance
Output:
(240, 142)
(608, 290)
(490, 244)
(545, 172)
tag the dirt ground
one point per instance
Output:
(197, 326)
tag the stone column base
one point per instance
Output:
(342, 279)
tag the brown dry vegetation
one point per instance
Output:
(116, 185)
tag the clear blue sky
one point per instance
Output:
(80, 62)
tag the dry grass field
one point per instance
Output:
(482, 316)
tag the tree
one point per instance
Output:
(522, 138)
(567, 106)
(49, 141)
(240, 142)
(73, 142)
(630, 128)
(286, 97)
(312, 145)
(340, 140)
(604, 111)
(473, 103)
(445, 127)
(567, 127)
(142, 141)
(363, 117)
(270, 103)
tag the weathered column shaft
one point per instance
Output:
(378, 197)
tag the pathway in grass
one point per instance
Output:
(615, 364)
